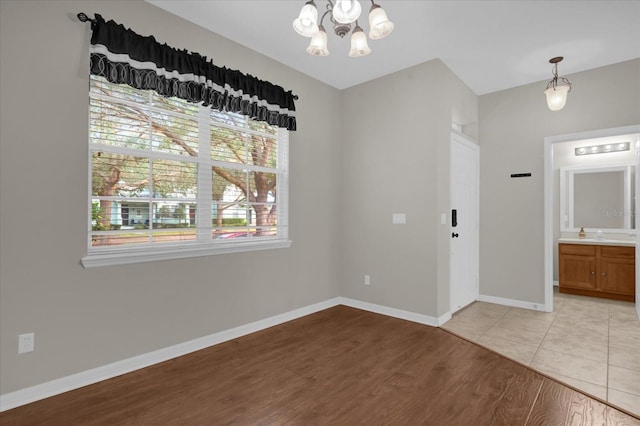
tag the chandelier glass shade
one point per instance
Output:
(379, 25)
(318, 45)
(346, 11)
(557, 92)
(342, 14)
(359, 46)
(306, 23)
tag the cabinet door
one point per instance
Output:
(577, 271)
(617, 276)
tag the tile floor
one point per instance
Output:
(589, 343)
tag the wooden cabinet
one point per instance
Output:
(597, 270)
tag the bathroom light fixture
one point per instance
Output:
(557, 93)
(603, 149)
(342, 13)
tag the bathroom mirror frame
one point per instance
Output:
(567, 213)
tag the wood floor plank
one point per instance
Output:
(341, 366)
(586, 411)
(552, 405)
(618, 418)
(514, 406)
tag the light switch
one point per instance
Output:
(443, 218)
(399, 219)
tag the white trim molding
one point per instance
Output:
(152, 254)
(396, 313)
(513, 303)
(95, 375)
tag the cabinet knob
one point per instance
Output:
(593, 273)
(604, 274)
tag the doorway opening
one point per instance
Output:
(556, 222)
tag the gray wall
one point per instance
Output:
(396, 160)
(88, 318)
(513, 125)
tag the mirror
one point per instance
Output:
(597, 198)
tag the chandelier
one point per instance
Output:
(557, 93)
(342, 14)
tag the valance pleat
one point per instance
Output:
(121, 56)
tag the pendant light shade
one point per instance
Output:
(557, 97)
(359, 45)
(318, 45)
(346, 11)
(557, 93)
(306, 24)
(379, 25)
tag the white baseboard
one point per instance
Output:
(84, 378)
(396, 313)
(512, 302)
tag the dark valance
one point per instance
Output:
(124, 57)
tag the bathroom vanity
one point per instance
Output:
(597, 268)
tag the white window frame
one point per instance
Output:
(204, 245)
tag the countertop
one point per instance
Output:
(593, 241)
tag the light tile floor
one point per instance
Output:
(589, 343)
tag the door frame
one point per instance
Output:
(548, 204)
(469, 143)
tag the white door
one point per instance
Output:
(464, 217)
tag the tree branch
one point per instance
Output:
(235, 181)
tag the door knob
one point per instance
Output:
(454, 235)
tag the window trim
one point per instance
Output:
(170, 252)
(123, 254)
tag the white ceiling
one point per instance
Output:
(490, 45)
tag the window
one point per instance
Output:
(172, 179)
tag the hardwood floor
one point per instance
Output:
(341, 366)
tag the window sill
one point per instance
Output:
(119, 256)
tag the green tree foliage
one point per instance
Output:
(96, 218)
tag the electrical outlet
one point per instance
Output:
(367, 280)
(26, 343)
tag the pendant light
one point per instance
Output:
(557, 93)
